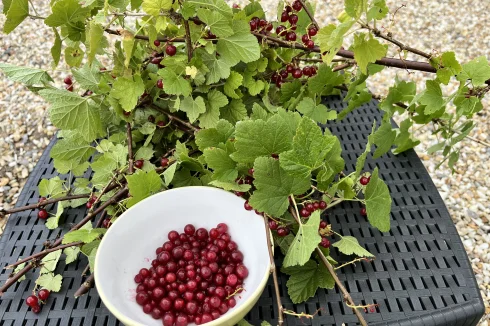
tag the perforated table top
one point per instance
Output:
(421, 274)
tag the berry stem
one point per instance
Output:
(280, 318)
(352, 262)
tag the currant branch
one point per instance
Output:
(40, 204)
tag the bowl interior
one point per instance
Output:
(130, 244)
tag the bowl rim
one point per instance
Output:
(129, 321)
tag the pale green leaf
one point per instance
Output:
(155, 7)
(144, 153)
(66, 12)
(71, 254)
(56, 48)
(88, 77)
(383, 138)
(319, 113)
(74, 56)
(193, 107)
(477, 70)
(169, 173)
(349, 245)
(51, 188)
(218, 69)
(324, 81)
(331, 38)
(215, 5)
(128, 91)
(230, 186)
(85, 235)
(377, 10)
(25, 75)
(305, 242)
(232, 83)
(378, 203)
(225, 169)
(50, 282)
(215, 136)
(432, 97)
(142, 184)
(52, 222)
(367, 51)
(355, 8)
(128, 44)
(18, 269)
(174, 84)
(17, 12)
(219, 24)
(95, 35)
(50, 261)
(450, 67)
(241, 46)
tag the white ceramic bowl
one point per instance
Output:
(130, 244)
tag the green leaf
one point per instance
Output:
(319, 113)
(73, 112)
(349, 245)
(88, 77)
(51, 188)
(215, 136)
(378, 203)
(219, 24)
(215, 5)
(18, 269)
(84, 235)
(256, 138)
(50, 261)
(230, 186)
(193, 107)
(103, 170)
(95, 36)
(218, 69)
(258, 112)
(232, 83)
(17, 12)
(333, 164)
(128, 44)
(241, 46)
(477, 70)
(219, 160)
(155, 7)
(50, 282)
(310, 147)
(331, 38)
(305, 242)
(305, 280)
(74, 56)
(377, 10)
(404, 139)
(467, 106)
(128, 91)
(71, 254)
(274, 186)
(324, 81)
(175, 84)
(234, 112)
(56, 48)
(355, 8)
(243, 322)
(25, 75)
(144, 153)
(401, 92)
(283, 242)
(432, 97)
(383, 138)
(142, 184)
(169, 173)
(450, 67)
(52, 222)
(66, 12)
(367, 51)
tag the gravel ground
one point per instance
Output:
(457, 25)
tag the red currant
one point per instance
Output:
(323, 225)
(41, 199)
(310, 44)
(304, 213)
(323, 204)
(247, 206)
(273, 225)
(297, 73)
(282, 231)
(297, 5)
(310, 207)
(139, 164)
(288, 9)
(293, 19)
(253, 25)
(69, 87)
(291, 36)
(305, 38)
(160, 84)
(36, 309)
(325, 243)
(307, 71)
(88, 205)
(364, 180)
(170, 50)
(312, 31)
(156, 60)
(32, 301)
(68, 80)
(281, 30)
(284, 17)
(164, 162)
(316, 205)
(363, 211)
(42, 214)
(156, 43)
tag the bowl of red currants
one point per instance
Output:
(185, 256)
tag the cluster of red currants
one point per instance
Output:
(311, 207)
(260, 25)
(280, 77)
(194, 277)
(33, 300)
(364, 181)
(170, 50)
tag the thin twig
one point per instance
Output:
(44, 252)
(341, 67)
(86, 286)
(351, 262)
(41, 204)
(146, 38)
(188, 40)
(130, 148)
(308, 12)
(173, 117)
(280, 308)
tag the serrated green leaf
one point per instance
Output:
(404, 139)
(358, 99)
(383, 138)
(88, 77)
(450, 67)
(184, 178)
(128, 44)
(258, 112)
(367, 51)
(219, 24)
(72, 112)
(310, 148)
(50, 282)
(144, 153)
(234, 112)
(331, 38)
(95, 35)
(467, 105)
(103, 169)
(232, 83)
(18, 10)
(127, 91)
(377, 10)
(319, 113)
(378, 203)
(65, 12)
(225, 169)
(155, 7)
(477, 70)
(142, 184)
(218, 68)
(210, 118)
(230, 186)
(305, 280)
(274, 186)
(52, 222)
(349, 245)
(50, 261)
(56, 48)
(305, 242)
(193, 107)
(84, 235)
(25, 75)
(324, 81)
(18, 269)
(355, 8)
(402, 92)
(71, 254)
(432, 97)
(175, 84)
(169, 173)
(74, 56)
(241, 46)
(215, 136)
(52, 188)
(215, 5)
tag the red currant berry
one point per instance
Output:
(32, 301)
(282, 231)
(290, 69)
(364, 180)
(170, 50)
(310, 44)
(68, 80)
(297, 5)
(160, 84)
(316, 205)
(222, 228)
(284, 17)
(293, 19)
(251, 171)
(43, 294)
(36, 309)
(273, 225)
(304, 213)
(323, 204)
(236, 6)
(291, 36)
(241, 271)
(189, 229)
(253, 25)
(42, 214)
(151, 119)
(363, 211)
(161, 124)
(288, 9)
(310, 207)
(156, 60)
(164, 162)
(269, 27)
(41, 199)
(139, 164)
(142, 298)
(279, 83)
(88, 205)
(126, 114)
(307, 71)
(305, 38)
(247, 206)
(156, 43)
(283, 74)
(69, 87)
(281, 30)
(325, 243)
(312, 31)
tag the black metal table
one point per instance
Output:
(421, 275)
